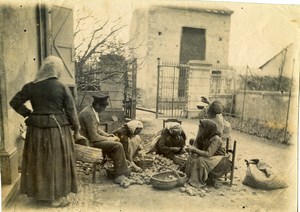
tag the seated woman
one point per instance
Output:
(207, 159)
(131, 141)
(214, 112)
(170, 141)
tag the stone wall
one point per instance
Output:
(271, 107)
(19, 63)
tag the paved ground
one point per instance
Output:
(106, 196)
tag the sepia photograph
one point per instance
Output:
(149, 105)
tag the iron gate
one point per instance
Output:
(172, 89)
(129, 102)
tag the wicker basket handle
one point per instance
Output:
(176, 173)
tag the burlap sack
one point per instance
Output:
(262, 176)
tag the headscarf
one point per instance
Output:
(133, 125)
(209, 129)
(51, 67)
(215, 108)
(174, 128)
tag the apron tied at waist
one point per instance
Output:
(58, 125)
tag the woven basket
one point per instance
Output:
(168, 179)
(145, 163)
(179, 160)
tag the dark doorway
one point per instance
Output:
(193, 44)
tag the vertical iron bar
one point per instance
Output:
(216, 87)
(288, 110)
(173, 91)
(245, 87)
(232, 99)
(157, 92)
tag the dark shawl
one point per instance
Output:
(210, 130)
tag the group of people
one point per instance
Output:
(49, 163)
(207, 160)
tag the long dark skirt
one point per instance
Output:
(49, 163)
(198, 168)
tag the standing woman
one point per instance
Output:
(207, 160)
(49, 164)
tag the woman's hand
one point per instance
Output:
(191, 149)
(110, 135)
(135, 168)
(79, 139)
(175, 149)
(204, 100)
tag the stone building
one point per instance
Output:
(179, 34)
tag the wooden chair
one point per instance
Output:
(92, 155)
(165, 121)
(232, 152)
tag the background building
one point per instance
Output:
(178, 34)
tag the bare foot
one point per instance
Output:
(123, 181)
(60, 202)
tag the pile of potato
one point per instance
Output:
(136, 178)
(84, 167)
(192, 191)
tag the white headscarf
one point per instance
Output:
(174, 128)
(132, 125)
(52, 66)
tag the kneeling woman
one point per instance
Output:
(207, 159)
(171, 141)
(131, 141)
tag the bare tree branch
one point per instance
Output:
(100, 54)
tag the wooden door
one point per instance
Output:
(56, 37)
(192, 45)
(60, 39)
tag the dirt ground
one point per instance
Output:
(104, 195)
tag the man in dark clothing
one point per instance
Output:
(90, 128)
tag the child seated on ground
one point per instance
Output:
(170, 141)
(131, 141)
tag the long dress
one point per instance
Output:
(49, 165)
(214, 163)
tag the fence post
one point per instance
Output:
(289, 102)
(233, 95)
(245, 87)
(157, 89)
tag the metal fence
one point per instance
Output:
(172, 84)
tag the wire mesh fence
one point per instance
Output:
(274, 131)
